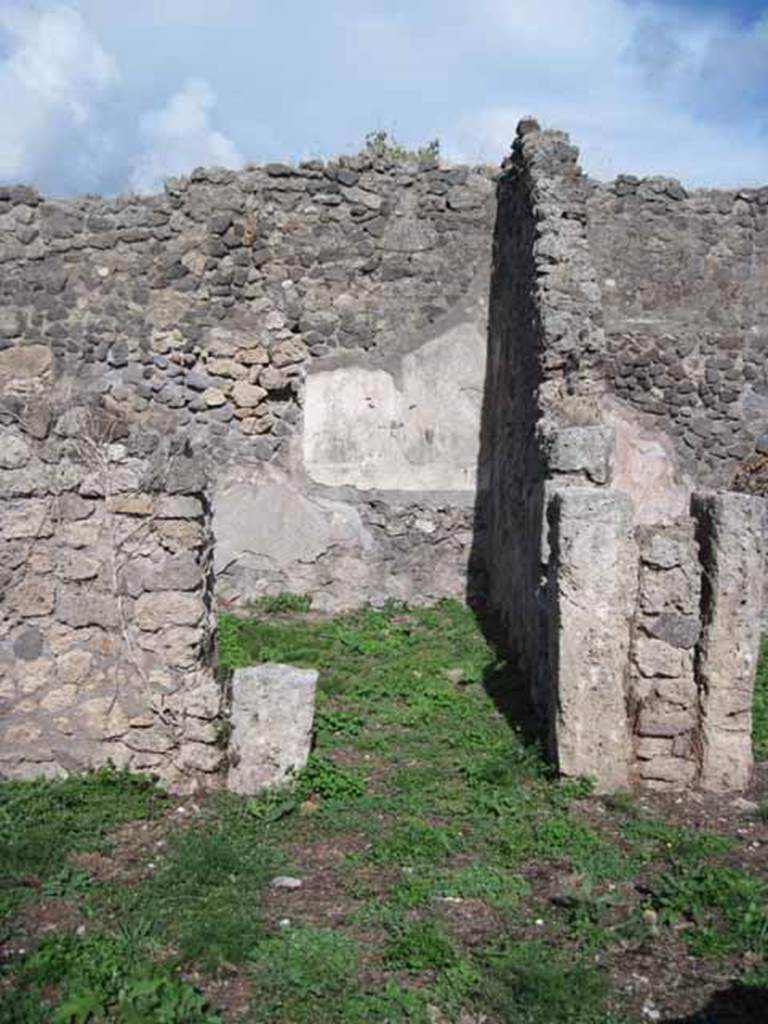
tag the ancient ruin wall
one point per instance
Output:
(317, 332)
(105, 621)
(640, 635)
(684, 283)
(544, 342)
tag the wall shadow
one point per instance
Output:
(738, 1004)
(504, 577)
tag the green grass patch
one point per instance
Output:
(201, 903)
(726, 909)
(530, 983)
(418, 775)
(44, 821)
(420, 945)
(760, 706)
(100, 977)
(304, 975)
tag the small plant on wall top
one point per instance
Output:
(382, 146)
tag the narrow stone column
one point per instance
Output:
(731, 538)
(591, 592)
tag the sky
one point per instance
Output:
(100, 96)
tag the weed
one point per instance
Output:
(202, 899)
(337, 724)
(303, 975)
(497, 886)
(760, 705)
(529, 983)
(414, 842)
(622, 803)
(651, 839)
(419, 946)
(381, 145)
(68, 883)
(43, 821)
(728, 907)
(280, 604)
(100, 977)
(322, 777)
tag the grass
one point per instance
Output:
(529, 983)
(463, 876)
(43, 822)
(760, 707)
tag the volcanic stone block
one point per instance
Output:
(592, 589)
(732, 538)
(273, 708)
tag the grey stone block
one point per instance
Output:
(272, 714)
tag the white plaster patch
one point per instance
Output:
(363, 430)
(271, 519)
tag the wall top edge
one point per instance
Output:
(334, 169)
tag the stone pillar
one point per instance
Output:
(731, 531)
(591, 593)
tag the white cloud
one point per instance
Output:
(650, 86)
(51, 81)
(644, 88)
(180, 136)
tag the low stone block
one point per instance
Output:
(656, 658)
(675, 771)
(272, 713)
(678, 630)
(587, 451)
(655, 722)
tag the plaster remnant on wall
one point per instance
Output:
(269, 519)
(414, 430)
(646, 468)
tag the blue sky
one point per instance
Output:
(100, 96)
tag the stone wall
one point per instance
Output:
(105, 620)
(684, 282)
(612, 580)
(236, 306)
(277, 380)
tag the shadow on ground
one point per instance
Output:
(739, 1004)
(507, 687)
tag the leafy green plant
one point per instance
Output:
(202, 899)
(102, 977)
(231, 651)
(413, 842)
(530, 983)
(760, 705)
(336, 723)
(728, 908)
(324, 778)
(278, 604)
(42, 822)
(381, 145)
(652, 839)
(302, 975)
(419, 946)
